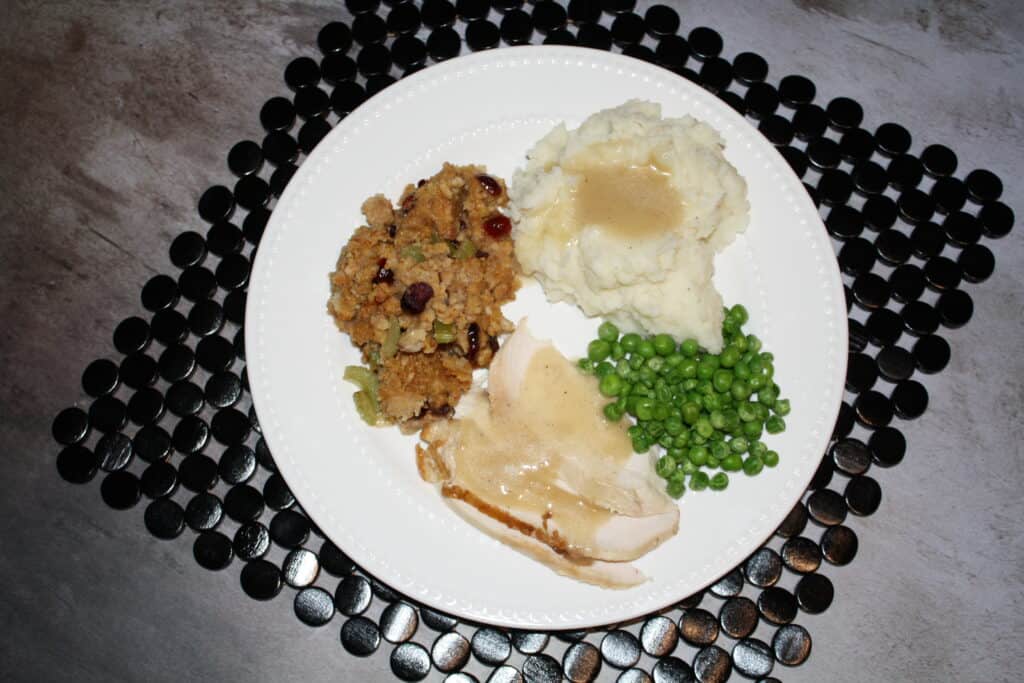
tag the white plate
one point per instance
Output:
(360, 485)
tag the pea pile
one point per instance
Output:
(707, 411)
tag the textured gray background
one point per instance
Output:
(115, 115)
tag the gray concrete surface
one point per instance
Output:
(115, 115)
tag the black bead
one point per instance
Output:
(791, 645)
(856, 145)
(761, 100)
(671, 52)
(871, 291)
(796, 90)
(373, 60)
(996, 219)
(671, 670)
(942, 274)
(801, 555)
(353, 595)
(314, 606)
(310, 135)
(261, 580)
(810, 122)
(443, 43)
(184, 398)
(516, 28)
(884, 327)
(893, 139)
(977, 263)
(907, 282)
(868, 177)
(938, 160)
(851, 456)
(197, 283)
(120, 490)
(571, 636)
(962, 229)
(289, 529)
(931, 354)
(368, 29)
(915, 207)
(909, 399)
(100, 378)
(659, 636)
(748, 67)
(753, 658)
(823, 153)
(738, 615)
(729, 585)
(895, 363)
(263, 455)
(839, 545)
(277, 114)
(955, 308)
(822, 475)
(620, 649)
(489, 645)
(716, 74)
(863, 495)
(763, 568)
(204, 512)
(159, 293)
(187, 249)
(212, 550)
(146, 406)
(856, 256)
(252, 541)
(704, 42)
(281, 148)
(887, 446)
(301, 72)
(215, 354)
(777, 129)
(594, 36)
(276, 493)
(584, 11)
(581, 662)
(190, 435)
(282, 175)
(108, 414)
(152, 443)
(481, 35)
(796, 159)
(311, 103)
(300, 569)
(243, 503)
(618, 6)
(398, 622)
(857, 334)
(238, 343)
(410, 662)
(873, 409)
(814, 593)
(70, 426)
(176, 363)
(230, 426)
(216, 204)
(334, 37)
(450, 651)
(237, 464)
(826, 507)
(861, 373)
(360, 636)
(338, 67)
(252, 192)
(529, 643)
(794, 522)
(471, 10)
(879, 212)
(506, 5)
(844, 222)
(835, 187)
(437, 620)
(245, 158)
(893, 247)
(113, 451)
(712, 665)
(198, 472)
(905, 171)
(206, 318)
(698, 627)
(983, 186)
(777, 605)
(729, 97)
(438, 13)
(844, 113)
(164, 519)
(949, 194)
(627, 29)
(404, 19)
(224, 238)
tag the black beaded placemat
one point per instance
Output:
(169, 419)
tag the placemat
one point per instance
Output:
(167, 423)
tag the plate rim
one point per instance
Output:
(259, 392)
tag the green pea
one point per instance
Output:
(768, 395)
(711, 402)
(613, 411)
(675, 488)
(586, 365)
(677, 453)
(673, 425)
(713, 462)
(688, 368)
(665, 466)
(704, 427)
(757, 448)
(717, 419)
(617, 351)
(688, 467)
(740, 342)
(752, 430)
(645, 349)
(719, 482)
(641, 444)
(740, 389)
(719, 450)
(771, 459)
(739, 444)
(691, 413)
(739, 313)
(629, 342)
(696, 439)
(645, 409)
(767, 358)
(634, 431)
(655, 364)
(722, 380)
(689, 384)
(610, 384)
(752, 466)
(682, 440)
(699, 481)
(689, 348)
(598, 350)
(761, 410)
(741, 370)
(646, 376)
(665, 440)
(663, 344)
(732, 462)
(746, 412)
(730, 329)
(782, 407)
(755, 382)
(774, 424)
(698, 455)
(608, 332)
(662, 411)
(636, 362)
(730, 356)
(604, 368)
(674, 360)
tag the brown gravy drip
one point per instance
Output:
(627, 201)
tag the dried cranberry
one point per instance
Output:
(473, 337)
(416, 297)
(490, 184)
(408, 203)
(498, 226)
(392, 230)
(421, 182)
(443, 411)
(383, 274)
(493, 343)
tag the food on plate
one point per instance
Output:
(419, 290)
(624, 215)
(532, 462)
(707, 411)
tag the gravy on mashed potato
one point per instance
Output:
(623, 217)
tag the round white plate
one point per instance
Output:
(360, 484)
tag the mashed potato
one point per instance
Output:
(623, 217)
